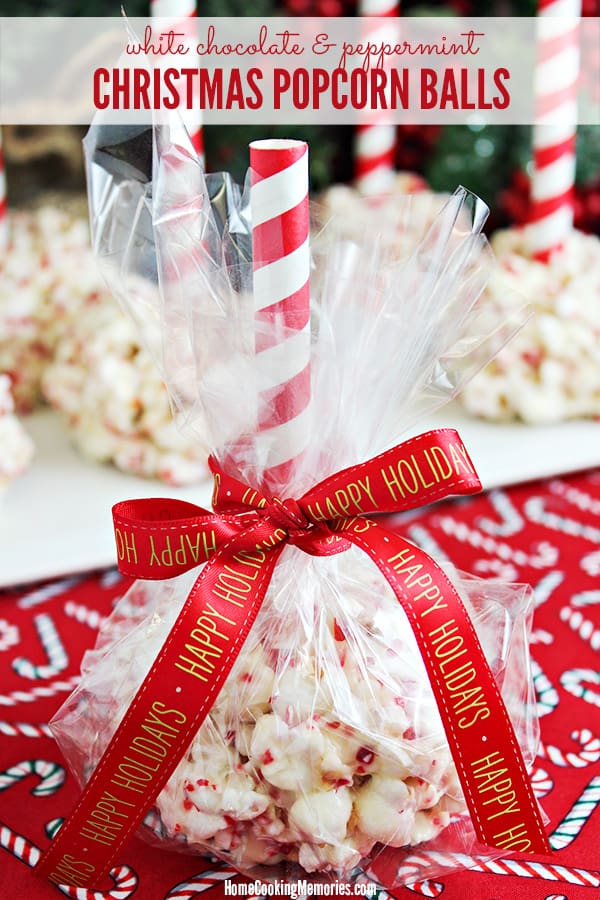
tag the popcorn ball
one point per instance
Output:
(325, 741)
(399, 226)
(16, 447)
(551, 370)
(47, 275)
(115, 405)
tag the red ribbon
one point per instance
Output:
(241, 543)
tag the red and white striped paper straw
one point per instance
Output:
(553, 175)
(281, 264)
(375, 145)
(184, 12)
(3, 202)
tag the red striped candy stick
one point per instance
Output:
(184, 13)
(281, 264)
(375, 145)
(3, 203)
(553, 176)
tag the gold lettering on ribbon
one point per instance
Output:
(134, 773)
(448, 644)
(416, 475)
(414, 575)
(491, 778)
(185, 551)
(466, 699)
(203, 647)
(69, 870)
(345, 502)
(126, 545)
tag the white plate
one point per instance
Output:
(56, 519)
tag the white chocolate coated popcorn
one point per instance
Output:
(115, 404)
(339, 745)
(550, 371)
(47, 274)
(16, 447)
(324, 742)
(63, 339)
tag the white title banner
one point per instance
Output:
(301, 70)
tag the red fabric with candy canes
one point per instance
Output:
(546, 533)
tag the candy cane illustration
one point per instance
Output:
(522, 868)
(545, 556)
(589, 754)
(582, 500)
(39, 693)
(546, 586)
(556, 897)
(585, 598)
(201, 882)
(535, 511)
(53, 647)
(499, 569)
(83, 614)
(590, 563)
(425, 540)
(547, 695)
(19, 846)
(541, 782)
(111, 577)
(359, 876)
(125, 879)
(48, 592)
(585, 628)
(568, 828)
(574, 680)
(426, 888)
(24, 729)
(51, 775)
(51, 827)
(9, 635)
(510, 520)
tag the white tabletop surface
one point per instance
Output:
(56, 519)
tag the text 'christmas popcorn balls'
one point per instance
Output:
(325, 743)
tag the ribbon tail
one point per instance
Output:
(174, 699)
(480, 735)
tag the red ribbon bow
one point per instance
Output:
(241, 543)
